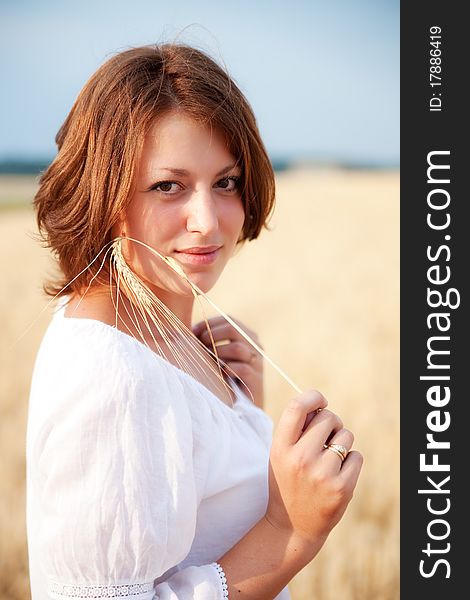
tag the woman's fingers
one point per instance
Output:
(242, 370)
(221, 329)
(238, 352)
(292, 419)
(200, 328)
(351, 468)
(320, 430)
(310, 485)
(343, 438)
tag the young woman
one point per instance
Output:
(152, 470)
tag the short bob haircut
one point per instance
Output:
(91, 181)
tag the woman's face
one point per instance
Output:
(187, 205)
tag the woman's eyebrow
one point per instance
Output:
(184, 172)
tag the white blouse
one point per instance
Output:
(138, 477)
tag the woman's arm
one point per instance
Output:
(264, 561)
(309, 490)
(114, 475)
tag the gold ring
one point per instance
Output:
(338, 449)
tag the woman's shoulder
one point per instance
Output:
(86, 343)
(81, 357)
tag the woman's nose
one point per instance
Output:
(202, 215)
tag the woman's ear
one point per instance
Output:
(119, 227)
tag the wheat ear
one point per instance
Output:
(152, 310)
(177, 268)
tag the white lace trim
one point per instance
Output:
(63, 590)
(223, 579)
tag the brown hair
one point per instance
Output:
(91, 180)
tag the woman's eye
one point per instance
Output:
(166, 187)
(229, 184)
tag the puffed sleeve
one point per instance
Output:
(117, 484)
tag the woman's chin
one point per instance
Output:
(175, 284)
(204, 283)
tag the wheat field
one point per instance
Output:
(322, 291)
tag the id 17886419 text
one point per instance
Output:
(435, 68)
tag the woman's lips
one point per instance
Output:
(198, 256)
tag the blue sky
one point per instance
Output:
(321, 76)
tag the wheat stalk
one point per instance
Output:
(177, 268)
(152, 310)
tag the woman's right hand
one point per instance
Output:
(309, 485)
